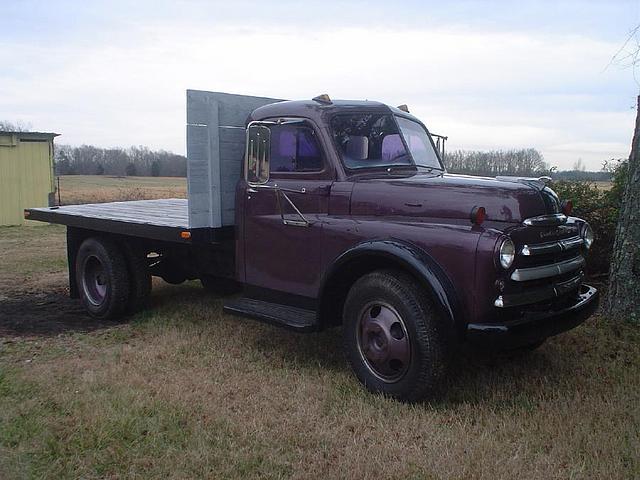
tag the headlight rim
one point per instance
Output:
(501, 255)
(587, 239)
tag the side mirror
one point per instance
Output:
(258, 154)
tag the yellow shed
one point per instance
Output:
(26, 174)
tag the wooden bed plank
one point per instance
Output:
(164, 220)
(165, 213)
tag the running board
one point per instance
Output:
(294, 318)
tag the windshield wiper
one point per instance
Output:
(429, 169)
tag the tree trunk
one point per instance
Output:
(624, 277)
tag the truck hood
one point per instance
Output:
(447, 196)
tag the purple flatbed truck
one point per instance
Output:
(326, 213)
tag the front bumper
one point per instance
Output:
(534, 326)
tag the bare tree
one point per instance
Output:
(579, 165)
(522, 162)
(6, 126)
(624, 275)
(90, 160)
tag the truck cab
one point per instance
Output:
(342, 213)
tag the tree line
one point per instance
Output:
(491, 163)
(582, 176)
(132, 161)
(527, 162)
(141, 161)
(6, 126)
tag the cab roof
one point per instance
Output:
(321, 111)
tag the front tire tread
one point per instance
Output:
(423, 321)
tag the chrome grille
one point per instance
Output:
(552, 247)
(547, 271)
(543, 273)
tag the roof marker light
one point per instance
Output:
(324, 99)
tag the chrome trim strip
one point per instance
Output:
(539, 294)
(546, 220)
(552, 247)
(546, 271)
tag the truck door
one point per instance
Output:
(285, 208)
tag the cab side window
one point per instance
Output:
(294, 148)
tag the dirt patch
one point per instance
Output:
(44, 314)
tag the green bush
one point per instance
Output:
(599, 207)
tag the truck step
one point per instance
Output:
(294, 318)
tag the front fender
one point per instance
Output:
(415, 260)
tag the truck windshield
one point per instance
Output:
(419, 143)
(366, 140)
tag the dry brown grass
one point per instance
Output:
(76, 189)
(183, 391)
(25, 264)
(603, 185)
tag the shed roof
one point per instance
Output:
(47, 135)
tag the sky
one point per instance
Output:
(488, 74)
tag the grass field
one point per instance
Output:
(183, 391)
(602, 185)
(100, 188)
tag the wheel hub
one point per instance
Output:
(383, 342)
(94, 281)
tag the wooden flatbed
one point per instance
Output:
(165, 219)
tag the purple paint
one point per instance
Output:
(366, 187)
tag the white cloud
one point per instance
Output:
(483, 89)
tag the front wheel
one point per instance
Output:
(393, 336)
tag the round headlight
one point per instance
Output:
(588, 235)
(507, 253)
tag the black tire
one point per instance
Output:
(139, 278)
(103, 279)
(412, 322)
(219, 286)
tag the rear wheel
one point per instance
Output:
(103, 279)
(392, 336)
